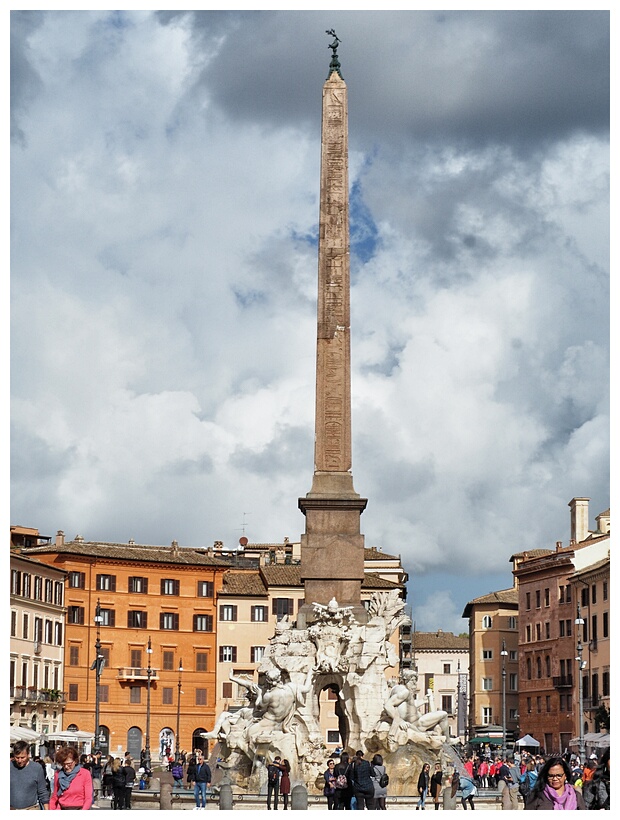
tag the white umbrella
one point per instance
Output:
(22, 733)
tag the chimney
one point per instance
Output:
(79, 539)
(132, 543)
(175, 548)
(558, 546)
(60, 538)
(603, 524)
(579, 519)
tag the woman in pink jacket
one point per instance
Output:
(73, 785)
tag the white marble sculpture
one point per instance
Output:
(282, 716)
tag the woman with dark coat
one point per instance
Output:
(553, 790)
(285, 782)
(191, 772)
(344, 787)
(330, 785)
(423, 784)
(596, 790)
(118, 783)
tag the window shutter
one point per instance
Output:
(234, 613)
(112, 583)
(81, 615)
(176, 620)
(195, 622)
(130, 584)
(161, 587)
(221, 612)
(161, 620)
(98, 582)
(145, 582)
(209, 623)
(291, 604)
(112, 617)
(234, 654)
(274, 606)
(82, 580)
(177, 587)
(221, 654)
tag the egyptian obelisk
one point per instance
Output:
(332, 548)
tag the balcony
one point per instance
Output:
(32, 695)
(136, 673)
(591, 703)
(563, 681)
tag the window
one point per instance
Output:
(527, 601)
(606, 624)
(537, 599)
(593, 593)
(138, 584)
(75, 615)
(136, 658)
(58, 593)
(604, 590)
(569, 593)
(227, 690)
(38, 588)
(547, 630)
(447, 669)
(166, 695)
(512, 681)
(256, 653)
(512, 655)
(169, 620)
(594, 628)
(26, 585)
(528, 666)
(585, 630)
(205, 589)
(487, 654)
(49, 591)
(562, 629)
(446, 703)
(13, 623)
(487, 622)
(136, 619)
(548, 666)
(228, 612)
(281, 607)
(529, 705)
(135, 694)
(548, 703)
(74, 656)
(547, 597)
(538, 668)
(487, 684)
(539, 704)
(38, 629)
(512, 622)
(487, 714)
(16, 582)
(106, 583)
(228, 653)
(605, 682)
(104, 693)
(105, 653)
(73, 691)
(512, 714)
(24, 626)
(528, 633)
(585, 596)
(537, 632)
(168, 661)
(170, 586)
(201, 662)
(561, 594)
(201, 697)
(258, 613)
(77, 580)
(203, 623)
(333, 736)
(108, 617)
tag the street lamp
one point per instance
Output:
(503, 653)
(581, 664)
(97, 665)
(147, 758)
(177, 750)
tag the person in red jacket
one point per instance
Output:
(73, 785)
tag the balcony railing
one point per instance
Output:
(563, 681)
(32, 695)
(591, 703)
(136, 673)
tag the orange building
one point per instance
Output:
(164, 596)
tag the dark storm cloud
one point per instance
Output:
(472, 77)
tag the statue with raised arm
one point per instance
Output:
(407, 722)
(242, 717)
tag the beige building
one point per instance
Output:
(493, 629)
(37, 626)
(442, 662)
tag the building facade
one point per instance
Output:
(161, 599)
(494, 676)
(37, 629)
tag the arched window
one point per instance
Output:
(487, 622)
(529, 668)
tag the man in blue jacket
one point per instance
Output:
(202, 780)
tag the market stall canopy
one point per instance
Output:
(596, 740)
(477, 740)
(527, 740)
(22, 733)
(69, 736)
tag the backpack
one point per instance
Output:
(525, 787)
(341, 781)
(274, 774)
(384, 779)
(177, 771)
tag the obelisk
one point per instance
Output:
(332, 548)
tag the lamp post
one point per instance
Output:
(147, 757)
(97, 665)
(177, 751)
(579, 622)
(503, 653)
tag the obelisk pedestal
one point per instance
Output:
(332, 548)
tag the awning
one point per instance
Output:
(596, 740)
(477, 740)
(22, 733)
(527, 740)
(69, 736)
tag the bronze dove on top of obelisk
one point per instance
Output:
(332, 548)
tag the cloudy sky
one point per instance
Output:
(164, 195)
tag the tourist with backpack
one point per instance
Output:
(344, 787)
(177, 774)
(380, 779)
(273, 782)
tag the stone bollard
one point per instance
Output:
(299, 798)
(226, 797)
(165, 797)
(449, 802)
